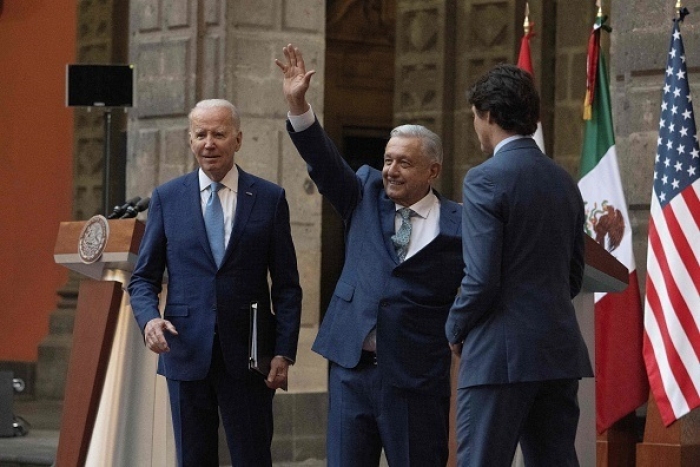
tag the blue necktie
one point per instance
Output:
(214, 222)
(403, 235)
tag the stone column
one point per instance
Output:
(256, 32)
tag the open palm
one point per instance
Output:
(296, 79)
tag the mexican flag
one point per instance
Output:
(621, 381)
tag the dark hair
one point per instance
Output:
(509, 95)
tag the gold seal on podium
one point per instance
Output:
(93, 239)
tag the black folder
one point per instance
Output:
(263, 329)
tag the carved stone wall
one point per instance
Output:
(425, 68)
(485, 37)
(444, 46)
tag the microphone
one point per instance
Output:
(133, 211)
(118, 211)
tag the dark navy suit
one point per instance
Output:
(407, 302)
(523, 351)
(209, 307)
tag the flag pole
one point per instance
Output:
(526, 22)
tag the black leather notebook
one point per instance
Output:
(263, 327)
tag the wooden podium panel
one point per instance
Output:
(120, 252)
(677, 445)
(603, 273)
(95, 322)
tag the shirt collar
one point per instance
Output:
(230, 180)
(506, 141)
(424, 205)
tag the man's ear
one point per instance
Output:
(435, 169)
(239, 141)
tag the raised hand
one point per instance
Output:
(296, 79)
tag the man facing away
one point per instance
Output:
(219, 232)
(383, 332)
(513, 324)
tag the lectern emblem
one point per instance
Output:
(93, 239)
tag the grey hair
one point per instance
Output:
(213, 103)
(432, 144)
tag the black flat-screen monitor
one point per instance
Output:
(99, 85)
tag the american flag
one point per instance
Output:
(672, 305)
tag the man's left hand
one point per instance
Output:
(279, 371)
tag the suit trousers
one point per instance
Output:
(541, 415)
(245, 405)
(367, 414)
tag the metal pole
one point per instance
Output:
(107, 161)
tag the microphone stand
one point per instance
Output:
(106, 175)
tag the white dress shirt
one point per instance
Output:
(425, 225)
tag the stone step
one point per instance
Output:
(52, 366)
(61, 321)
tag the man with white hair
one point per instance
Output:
(220, 232)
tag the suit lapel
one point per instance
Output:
(244, 205)
(387, 215)
(449, 216)
(193, 210)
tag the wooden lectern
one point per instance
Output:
(603, 273)
(677, 445)
(98, 308)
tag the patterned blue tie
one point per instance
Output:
(403, 235)
(214, 222)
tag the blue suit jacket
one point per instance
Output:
(408, 302)
(200, 295)
(524, 257)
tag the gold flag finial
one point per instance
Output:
(599, 3)
(679, 7)
(526, 23)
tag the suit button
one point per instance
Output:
(384, 303)
(396, 273)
